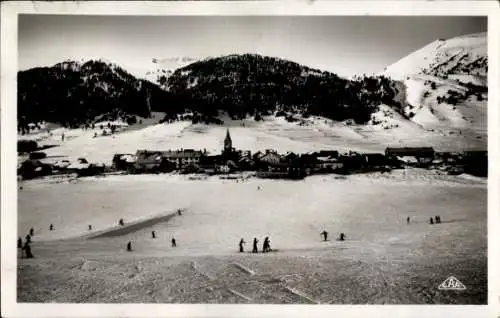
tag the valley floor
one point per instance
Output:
(383, 260)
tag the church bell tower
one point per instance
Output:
(228, 143)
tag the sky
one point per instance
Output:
(340, 44)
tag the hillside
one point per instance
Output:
(240, 85)
(445, 83)
(72, 93)
(254, 85)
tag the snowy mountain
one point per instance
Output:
(161, 69)
(459, 56)
(444, 84)
(72, 93)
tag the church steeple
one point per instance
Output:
(228, 143)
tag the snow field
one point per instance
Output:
(220, 212)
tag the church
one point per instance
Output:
(228, 144)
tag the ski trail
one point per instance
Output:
(300, 294)
(244, 269)
(240, 295)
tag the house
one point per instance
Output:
(375, 160)
(328, 164)
(183, 157)
(161, 161)
(273, 165)
(246, 164)
(417, 152)
(423, 155)
(123, 161)
(271, 157)
(148, 160)
(208, 163)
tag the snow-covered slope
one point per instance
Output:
(445, 85)
(466, 55)
(164, 67)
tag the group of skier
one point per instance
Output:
(325, 236)
(432, 220)
(437, 218)
(26, 247)
(266, 245)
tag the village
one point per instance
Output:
(263, 164)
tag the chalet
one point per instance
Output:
(148, 160)
(123, 161)
(417, 152)
(376, 160)
(208, 163)
(183, 157)
(329, 163)
(412, 155)
(271, 158)
(166, 160)
(246, 163)
(273, 165)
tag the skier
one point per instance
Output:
(242, 241)
(32, 231)
(431, 221)
(438, 219)
(408, 220)
(255, 249)
(51, 227)
(266, 247)
(62, 137)
(153, 234)
(174, 244)
(19, 243)
(27, 250)
(28, 238)
(179, 212)
(90, 227)
(129, 247)
(341, 237)
(325, 235)
(121, 222)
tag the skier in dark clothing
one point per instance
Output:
(325, 235)
(242, 241)
(431, 220)
(129, 247)
(19, 243)
(179, 212)
(266, 247)
(51, 227)
(121, 222)
(342, 237)
(153, 234)
(32, 231)
(408, 220)
(174, 244)
(90, 227)
(255, 249)
(27, 250)
(438, 219)
(28, 238)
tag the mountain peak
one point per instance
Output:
(461, 55)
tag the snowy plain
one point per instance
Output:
(380, 250)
